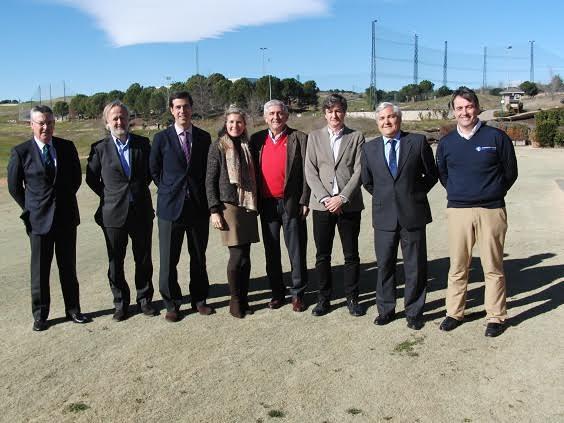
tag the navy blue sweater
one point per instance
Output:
(477, 172)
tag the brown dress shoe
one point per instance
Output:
(275, 304)
(204, 309)
(172, 316)
(298, 304)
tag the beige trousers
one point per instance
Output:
(487, 228)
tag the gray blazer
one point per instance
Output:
(321, 168)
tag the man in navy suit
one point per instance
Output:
(118, 172)
(178, 165)
(398, 170)
(43, 177)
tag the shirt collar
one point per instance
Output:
(40, 143)
(472, 133)
(336, 134)
(275, 138)
(397, 138)
(124, 144)
(180, 130)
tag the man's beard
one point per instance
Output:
(119, 133)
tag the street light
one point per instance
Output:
(507, 50)
(263, 49)
(167, 78)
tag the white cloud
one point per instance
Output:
(128, 22)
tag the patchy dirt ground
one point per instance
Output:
(283, 366)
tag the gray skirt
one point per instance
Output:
(242, 226)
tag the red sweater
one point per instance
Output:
(273, 167)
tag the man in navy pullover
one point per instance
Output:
(477, 166)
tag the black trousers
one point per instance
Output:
(238, 273)
(274, 217)
(348, 224)
(171, 236)
(141, 233)
(61, 241)
(414, 249)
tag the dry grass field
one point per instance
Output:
(289, 367)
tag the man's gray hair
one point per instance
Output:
(111, 105)
(273, 103)
(385, 104)
(46, 110)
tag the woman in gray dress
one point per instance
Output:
(232, 200)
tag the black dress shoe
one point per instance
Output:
(494, 329)
(246, 309)
(120, 315)
(147, 309)
(449, 324)
(384, 320)
(321, 308)
(78, 317)
(355, 309)
(415, 323)
(40, 325)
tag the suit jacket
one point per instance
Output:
(174, 177)
(296, 190)
(403, 199)
(38, 196)
(105, 176)
(321, 168)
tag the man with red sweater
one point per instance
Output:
(279, 152)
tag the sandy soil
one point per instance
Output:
(284, 366)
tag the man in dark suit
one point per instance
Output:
(332, 170)
(279, 154)
(43, 177)
(398, 170)
(178, 166)
(118, 172)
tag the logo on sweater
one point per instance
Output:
(484, 148)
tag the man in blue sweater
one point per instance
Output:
(477, 166)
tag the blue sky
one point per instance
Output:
(100, 45)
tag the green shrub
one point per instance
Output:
(559, 138)
(553, 115)
(545, 133)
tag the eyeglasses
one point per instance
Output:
(46, 124)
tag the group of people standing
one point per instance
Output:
(280, 174)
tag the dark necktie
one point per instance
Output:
(185, 144)
(393, 161)
(121, 154)
(48, 162)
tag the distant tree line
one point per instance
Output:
(532, 88)
(211, 94)
(9, 102)
(425, 90)
(410, 92)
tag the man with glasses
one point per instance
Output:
(43, 177)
